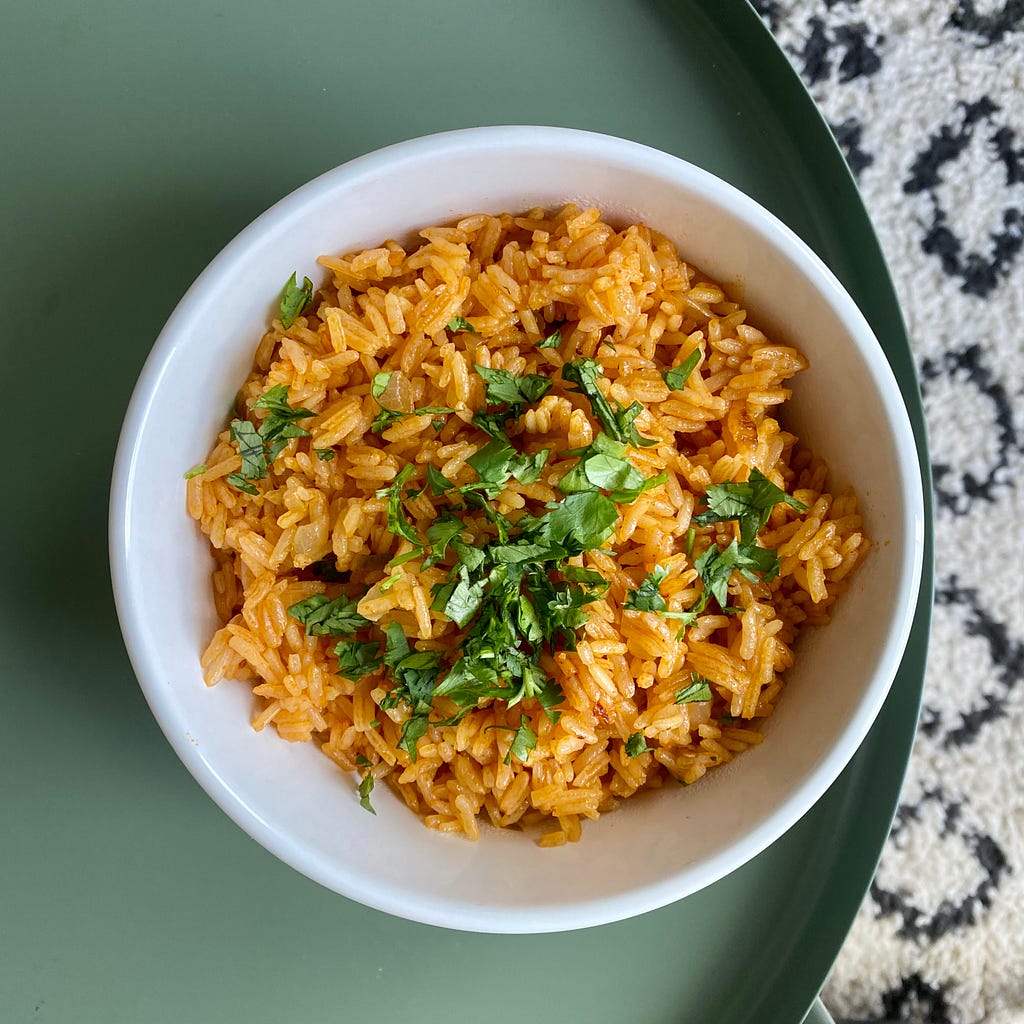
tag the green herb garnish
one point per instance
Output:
(357, 658)
(437, 482)
(750, 502)
(603, 465)
(460, 323)
(636, 745)
(647, 597)
(553, 340)
(698, 690)
(324, 454)
(239, 481)
(258, 447)
(295, 300)
(504, 388)
(387, 417)
(365, 789)
(323, 617)
(398, 523)
(716, 566)
(196, 470)
(618, 423)
(523, 742)
(677, 377)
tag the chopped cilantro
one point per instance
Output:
(620, 423)
(250, 447)
(379, 384)
(698, 690)
(323, 617)
(647, 597)
(387, 417)
(259, 447)
(398, 524)
(580, 522)
(239, 481)
(523, 742)
(357, 658)
(750, 502)
(460, 323)
(365, 789)
(412, 731)
(553, 340)
(603, 465)
(324, 454)
(196, 470)
(504, 388)
(636, 745)
(717, 564)
(437, 481)
(415, 673)
(362, 761)
(677, 377)
(390, 582)
(550, 695)
(295, 300)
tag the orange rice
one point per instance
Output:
(626, 299)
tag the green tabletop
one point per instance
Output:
(138, 138)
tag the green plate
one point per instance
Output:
(139, 137)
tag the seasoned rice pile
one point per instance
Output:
(317, 525)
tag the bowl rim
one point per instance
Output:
(450, 912)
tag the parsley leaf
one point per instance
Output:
(415, 672)
(250, 447)
(636, 745)
(387, 417)
(523, 742)
(553, 340)
(581, 522)
(259, 447)
(717, 564)
(677, 377)
(437, 481)
(460, 323)
(357, 658)
(295, 300)
(618, 424)
(548, 697)
(323, 617)
(698, 690)
(412, 732)
(365, 789)
(197, 470)
(239, 481)
(750, 502)
(647, 597)
(398, 524)
(379, 384)
(504, 388)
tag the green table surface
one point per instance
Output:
(138, 138)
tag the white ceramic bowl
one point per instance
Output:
(655, 848)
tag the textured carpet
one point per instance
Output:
(927, 101)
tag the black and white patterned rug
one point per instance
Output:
(926, 98)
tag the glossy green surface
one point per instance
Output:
(139, 137)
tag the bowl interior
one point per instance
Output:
(655, 848)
